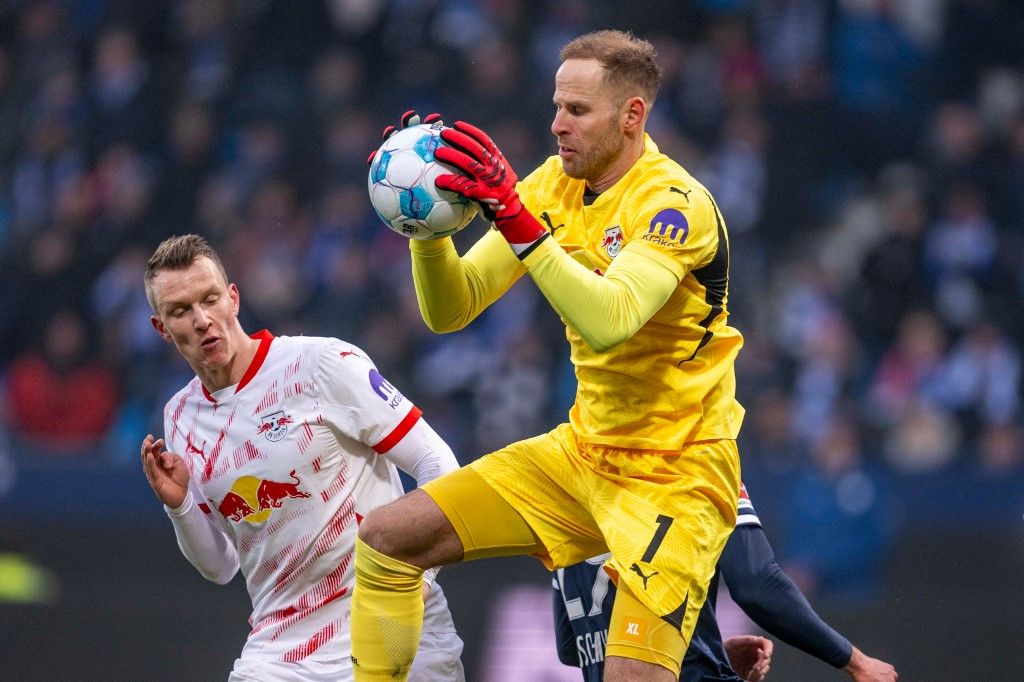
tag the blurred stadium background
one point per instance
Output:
(868, 156)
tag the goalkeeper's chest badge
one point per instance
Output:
(613, 240)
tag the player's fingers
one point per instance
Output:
(459, 184)
(431, 119)
(388, 132)
(461, 162)
(463, 143)
(409, 118)
(479, 136)
(369, 159)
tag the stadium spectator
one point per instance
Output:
(60, 399)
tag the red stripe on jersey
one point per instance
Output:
(404, 426)
(265, 338)
(315, 642)
(336, 485)
(305, 438)
(293, 368)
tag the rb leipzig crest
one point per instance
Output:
(613, 240)
(275, 425)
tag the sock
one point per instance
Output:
(387, 615)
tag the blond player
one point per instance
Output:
(632, 252)
(271, 455)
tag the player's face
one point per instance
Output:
(197, 311)
(588, 121)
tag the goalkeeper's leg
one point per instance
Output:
(462, 517)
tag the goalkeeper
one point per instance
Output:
(634, 256)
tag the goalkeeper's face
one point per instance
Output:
(587, 123)
(197, 311)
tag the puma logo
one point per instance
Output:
(684, 192)
(551, 226)
(191, 448)
(636, 569)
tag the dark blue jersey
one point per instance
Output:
(584, 596)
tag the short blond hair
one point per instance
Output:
(630, 63)
(178, 253)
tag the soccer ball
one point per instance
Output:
(402, 191)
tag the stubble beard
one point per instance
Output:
(590, 165)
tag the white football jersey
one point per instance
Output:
(286, 462)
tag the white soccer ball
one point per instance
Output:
(402, 190)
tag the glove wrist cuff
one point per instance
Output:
(522, 232)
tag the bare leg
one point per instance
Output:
(414, 530)
(621, 669)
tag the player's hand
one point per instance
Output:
(409, 118)
(165, 471)
(863, 668)
(750, 656)
(488, 179)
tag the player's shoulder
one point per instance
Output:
(320, 345)
(663, 181)
(333, 356)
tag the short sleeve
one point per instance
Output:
(678, 227)
(358, 400)
(745, 514)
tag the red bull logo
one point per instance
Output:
(613, 241)
(275, 425)
(253, 499)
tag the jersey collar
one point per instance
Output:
(265, 338)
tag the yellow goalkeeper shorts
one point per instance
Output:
(664, 515)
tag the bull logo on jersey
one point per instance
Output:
(253, 499)
(384, 389)
(275, 425)
(668, 227)
(613, 241)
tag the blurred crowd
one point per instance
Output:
(868, 156)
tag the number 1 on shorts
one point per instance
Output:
(659, 536)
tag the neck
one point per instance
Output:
(631, 153)
(216, 378)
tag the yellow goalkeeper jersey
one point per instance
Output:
(663, 376)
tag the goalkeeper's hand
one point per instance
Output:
(409, 118)
(488, 179)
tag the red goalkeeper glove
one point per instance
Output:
(488, 179)
(409, 118)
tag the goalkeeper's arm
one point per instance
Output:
(606, 310)
(452, 291)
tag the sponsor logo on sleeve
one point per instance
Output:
(668, 227)
(384, 389)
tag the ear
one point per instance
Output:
(158, 325)
(633, 114)
(235, 298)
